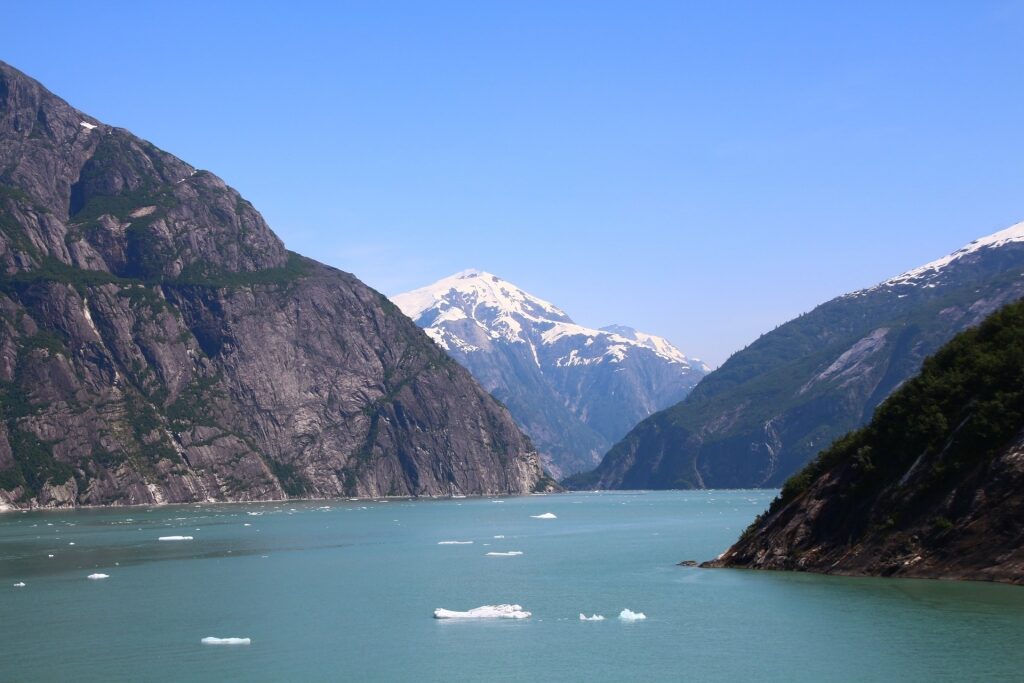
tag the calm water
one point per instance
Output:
(346, 591)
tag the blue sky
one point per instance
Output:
(700, 170)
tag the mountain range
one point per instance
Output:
(771, 407)
(158, 343)
(932, 487)
(574, 390)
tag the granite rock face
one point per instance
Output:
(159, 344)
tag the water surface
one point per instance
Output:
(345, 590)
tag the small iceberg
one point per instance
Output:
(97, 577)
(455, 542)
(594, 617)
(630, 615)
(20, 584)
(510, 553)
(484, 612)
(210, 640)
(546, 515)
(175, 538)
(500, 536)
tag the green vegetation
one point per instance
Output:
(965, 405)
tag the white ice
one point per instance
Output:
(455, 542)
(546, 515)
(484, 612)
(210, 640)
(510, 553)
(87, 125)
(175, 538)
(630, 615)
(96, 577)
(20, 584)
(595, 617)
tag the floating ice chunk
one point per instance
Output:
(254, 514)
(484, 612)
(49, 555)
(546, 515)
(247, 524)
(595, 617)
(630, 615)
(499, 536)
(71, 543)
(20, 584)
(87, 125)
(455, 542)
(175, 538)
(510, 553)
(97, 577)
(210, 640)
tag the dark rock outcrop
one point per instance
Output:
(158, 343)
(932, 487)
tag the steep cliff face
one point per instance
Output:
(158, 343)
(772, 406)
(575, 390)
(932, 487)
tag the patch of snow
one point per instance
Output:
(484, 612)
(630, 615)
(87, 125)
(1014, 233)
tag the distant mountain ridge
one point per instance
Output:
(772, 406)
(573, 389)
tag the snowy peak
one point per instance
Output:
(460, 310)
(922, 274)
(477, 295)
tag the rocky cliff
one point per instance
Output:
(774, 405)
(932, 487)
(575, 390)
(159, 344)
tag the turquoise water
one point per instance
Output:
(346, 590)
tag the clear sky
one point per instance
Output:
(700, 170)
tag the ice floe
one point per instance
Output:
(20, 584)
(484, 612)
(510, 553)
(499, 536)
(546, 515)
(630, 615)
(97, 577)
(594, 617)
(175, 538)
(455, 542)
(210, 640)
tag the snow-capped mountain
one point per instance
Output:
(575, 390)
(774, 405)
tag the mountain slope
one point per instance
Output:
(932, 487)
(772, 406)
(573, 389)
(158, 343)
